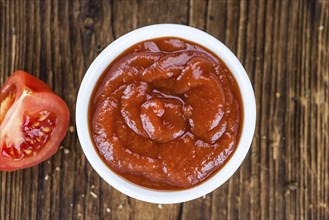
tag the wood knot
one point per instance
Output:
(293, 186)
(88, 22)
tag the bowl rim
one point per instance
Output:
(113, 50)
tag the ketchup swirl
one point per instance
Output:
(166, 114)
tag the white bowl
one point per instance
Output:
(103, 60)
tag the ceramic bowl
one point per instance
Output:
(112, 51)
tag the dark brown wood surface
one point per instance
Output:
(283, 46)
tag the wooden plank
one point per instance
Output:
(151, 12)
(321, 100)
(198, 13)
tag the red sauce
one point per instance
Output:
(166, 114)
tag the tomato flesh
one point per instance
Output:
(37, 130)
(6, 103)
(33, 122)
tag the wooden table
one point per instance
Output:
(282, 44)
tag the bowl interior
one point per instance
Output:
(115, 49)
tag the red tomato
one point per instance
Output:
(33, 122)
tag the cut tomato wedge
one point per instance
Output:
(33, 122)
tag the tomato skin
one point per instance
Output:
(21, 80)
(31, 96)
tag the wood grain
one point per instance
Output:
(283, 46)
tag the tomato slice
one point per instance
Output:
(33, 122)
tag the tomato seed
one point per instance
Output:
(28, 91)
(11, 152)
(42, 117)
(45, 129)
(27, 151)
(36, 124)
